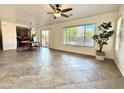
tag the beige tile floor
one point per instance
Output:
(48, 69)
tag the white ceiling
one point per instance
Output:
(36, 13)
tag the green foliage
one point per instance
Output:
(104, 35)
(89, 34)
(73, 32)
(32, 37)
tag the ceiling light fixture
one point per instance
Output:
(57, 14)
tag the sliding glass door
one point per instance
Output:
(45, 38)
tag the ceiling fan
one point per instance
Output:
(57, 11)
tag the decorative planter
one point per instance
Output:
(100, 56)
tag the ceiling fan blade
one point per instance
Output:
(53, 8)
(50, 12)
(66, 10)
(65, 15)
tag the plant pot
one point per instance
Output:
(100, 56)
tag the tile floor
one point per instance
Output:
(51, 69)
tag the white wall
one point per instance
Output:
(119, 56)
(56, 34)
(9, 34)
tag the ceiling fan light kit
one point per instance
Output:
(57, 14)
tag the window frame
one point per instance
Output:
(63, 43)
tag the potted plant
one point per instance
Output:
(102, 38)
(31, 38)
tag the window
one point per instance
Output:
(79, 35)
(118, 33)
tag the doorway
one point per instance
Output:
(45, 38)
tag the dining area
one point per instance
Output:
(26, 40)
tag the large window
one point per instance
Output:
(118, 33)
(79, 35)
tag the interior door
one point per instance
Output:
(45, 38)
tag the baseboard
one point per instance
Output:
(72, 52)
(9, 50)
(78, 53)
